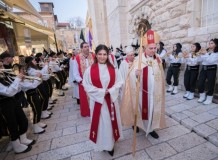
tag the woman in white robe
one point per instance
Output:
(105, 137)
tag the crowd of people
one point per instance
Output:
(32, 86)
(105, 87)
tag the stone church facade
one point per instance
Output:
(184, 21)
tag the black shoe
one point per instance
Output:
(137, 129)
(154, 135)
(40, 132)
(111, 152)
(27, 150)
(32, 143)
(61, 94)
(50, 108)
(78, 101)
(44, 126)
(49, 116)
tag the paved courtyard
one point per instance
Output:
(191, 134)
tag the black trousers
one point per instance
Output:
(44, 95)
(59, 83)
(49, 82)
(164, 64)
(190, 79)
(15, 118)
(173, 72)
(3, 126)
(36, 104)
(210, 76)
(64, 75)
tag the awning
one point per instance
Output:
(24, 5)
(8, 16)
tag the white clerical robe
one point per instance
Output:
(124, 69)
(105, 139)
(71, 79)
(156, 96)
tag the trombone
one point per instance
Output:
(10, 72)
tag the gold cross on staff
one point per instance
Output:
(115, 132)
(93, 134)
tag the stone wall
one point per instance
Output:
(175, 21)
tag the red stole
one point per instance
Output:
(145, 94)
(84, 104)
(73, 57)
(127, 60)
(145, 89)
(95, 77)
(112, 57)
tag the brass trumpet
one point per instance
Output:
(176, 56)
(52, 75)
(10, 72)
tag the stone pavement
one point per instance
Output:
(191, 134)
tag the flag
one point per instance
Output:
(112, 49)
(82, 36)
(74, 38)
(121, 47)
(90, 39)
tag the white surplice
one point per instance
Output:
(71, 79)
(105, 139)
(124, 69)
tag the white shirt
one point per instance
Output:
(11, 90)
(43, 71)
(192, 61)
(209, 59)
(172, 59)
(162, 54)
(54, 66)
(27, 85)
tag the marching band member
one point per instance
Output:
(102, 83)
(191, 72)
(119, 56)
(43, 90)
(175, 60)
(13, 114)
(33, 97)
(53, 65)
(209, 61)
(162, 53)
(62, 63)
(40, 63)
(7, 60)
